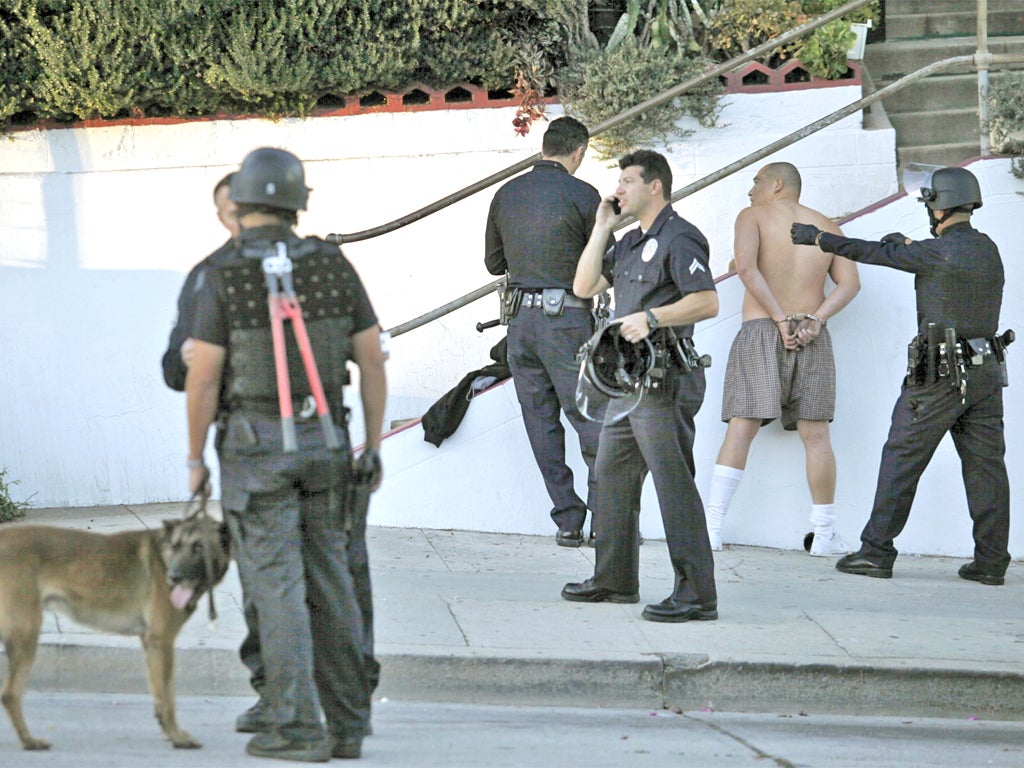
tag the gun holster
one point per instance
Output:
(511, 298)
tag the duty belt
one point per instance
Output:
(567, 299)
(304, 409)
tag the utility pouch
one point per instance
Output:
(916, 353)
(239, 433)
(553, 301)
(511, 298)
(977, 350)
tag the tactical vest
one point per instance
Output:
(327, 289)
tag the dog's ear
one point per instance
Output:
(169, 526)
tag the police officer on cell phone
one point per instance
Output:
(955, 374)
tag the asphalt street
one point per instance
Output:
(105, 731)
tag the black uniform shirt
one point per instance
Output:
(658, 267)
(538, 225)
(958, 276)
(173, 366)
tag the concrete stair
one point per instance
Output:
(936, 119)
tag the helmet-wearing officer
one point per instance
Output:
(295, 531)
(954, 374)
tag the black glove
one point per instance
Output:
(366, 469)
(895, 237)
(804, 234)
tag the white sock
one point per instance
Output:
(724, 482)
(823, 518)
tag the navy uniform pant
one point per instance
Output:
(542, 357)
(657, 436)
(292, 545)
(921, 418)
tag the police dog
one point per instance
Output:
(144, 583)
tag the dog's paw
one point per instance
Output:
(33, 743)
(182, 740)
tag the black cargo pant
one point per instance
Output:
(542, 358)
(359, 567)
(292, 547)
(657, 436)
(921, 418)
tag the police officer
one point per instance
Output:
(537, 226)
(662, 282)
(290, 510)
(176, 358)
(175, 364)
(952, 386)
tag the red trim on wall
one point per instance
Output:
(755, 77)
(750, 78)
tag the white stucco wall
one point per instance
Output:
(490, 482)
(99, 225)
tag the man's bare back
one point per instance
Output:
(797, 280)
(781, 278)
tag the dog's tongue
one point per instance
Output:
(180, 596)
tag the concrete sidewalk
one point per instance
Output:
(477, 618)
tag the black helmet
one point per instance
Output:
(613, 374)
(271, 177)
(951, 188)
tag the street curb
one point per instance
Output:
(682, 682)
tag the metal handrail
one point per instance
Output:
(629, 114)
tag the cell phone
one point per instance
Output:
(615, 207)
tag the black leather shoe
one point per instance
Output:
(272, 745)
(671, 610)
(255, 719)
(973, 572)
(569, 538)
(862, 565)
(588, 592)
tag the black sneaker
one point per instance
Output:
(273, 745)
(351, 747)
(255, 719)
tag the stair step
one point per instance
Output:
(892, 60)
(939, 154)
(935, 127)
(899, 26)
(911, 7)
(939, 92)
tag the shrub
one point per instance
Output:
(609, 82)
(9, 509)
(1006, 113)
(741, 25)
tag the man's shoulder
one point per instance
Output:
(677, 226)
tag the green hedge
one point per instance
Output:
(71, 60)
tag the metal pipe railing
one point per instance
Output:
(629, 114)
(982, 56)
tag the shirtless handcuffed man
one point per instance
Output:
(781, 363)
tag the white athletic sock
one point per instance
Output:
(823, 518)
(724, 481)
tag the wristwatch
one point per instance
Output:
(652, 321)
